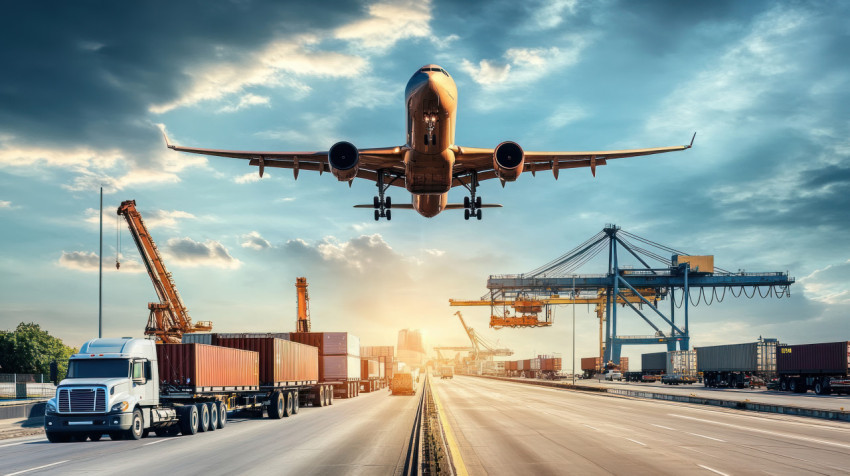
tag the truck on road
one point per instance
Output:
(737, 365)
(447, 371)
(824, 368)
(128, 387)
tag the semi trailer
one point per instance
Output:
(128, 387)
(737, 365)
(824, 367)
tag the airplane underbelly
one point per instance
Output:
(428, 173)
(429, 205)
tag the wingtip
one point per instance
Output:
(692, 140)
(165, 136)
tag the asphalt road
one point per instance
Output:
(509, 428)
(363, 435)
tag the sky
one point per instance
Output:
(86, 88)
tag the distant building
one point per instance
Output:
(411, 349)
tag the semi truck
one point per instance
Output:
(127, 387)
(824, 367)
(737, 365)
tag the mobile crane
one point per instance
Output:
(302, 323)
(168, 319)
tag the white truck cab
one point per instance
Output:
(111, 387)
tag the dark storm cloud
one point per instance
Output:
(86, 72)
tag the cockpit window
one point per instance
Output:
(435, 70)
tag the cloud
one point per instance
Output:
(255, 241)
(829, 285)
(520, 66)
(564, 116)
(190, 253)
(551, 14)
(5, 204)
(361, 253)
(152, 218)
(246, 101)
(388, 23)
(89, 262)
(250, 177)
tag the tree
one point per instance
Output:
(29, 350)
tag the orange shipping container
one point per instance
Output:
(591, 363)
(282, 362)
(200, 367)
(369, 369)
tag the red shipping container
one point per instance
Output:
(551, 364)
(591, 363)
(201, 367)
(369, 369)
(282, 362)
(329, 343)
(824, 358)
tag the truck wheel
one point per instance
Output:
(188, 419)
(792, 385)
(783, 385)
(295, 403)
(287, 411)
(79, 437)
(222, 414)
(95, 436)
(137, 425)
(203, 416)
(277, 405)
(146, 432)
(329, 395)
(116, 436)
(319, 397)
(212, 409)
(55, 437)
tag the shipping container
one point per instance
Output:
(681, 367)
(624, 364)
(282, 362)
(698, 264)
(591, 363)
(336, 368)
(737, 365)
(552, 364)
(201, 367)
(212, 338)
(654, 362)
(387, 351)
(369, 369)
(823, 367)
(329, 343)
(534, 364)
(198, 338)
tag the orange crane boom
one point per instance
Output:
(302, 322)
(168, 319)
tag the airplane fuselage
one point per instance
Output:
(431, 107)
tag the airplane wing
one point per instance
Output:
(390, 159)
(469, 159)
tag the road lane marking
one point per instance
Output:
(706, 437)
(712, 470)
(773, 433)
(662, 426)
(636, 441)
(593, 427)
(153, 442)
(459, 465)
(39, 467)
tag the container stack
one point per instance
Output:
(339, 359)
(385, 352)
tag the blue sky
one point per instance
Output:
(85, 89)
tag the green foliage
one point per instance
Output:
(29, 350)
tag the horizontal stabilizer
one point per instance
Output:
(450, 206)
(400, 206)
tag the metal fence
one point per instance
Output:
(19, 386)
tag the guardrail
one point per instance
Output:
(413, 460)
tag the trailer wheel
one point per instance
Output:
(783, 384)
(188, 419)
(95, 436)
(212, 409)
(295, 402)
(287, 411)
(319, 396)
(222, 414)
(329, 395)
(793, 386)
(277, 405)
(137, 426)
(203, 416)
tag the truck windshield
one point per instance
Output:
(99, 368)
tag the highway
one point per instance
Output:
(511, 428)
(363, 435)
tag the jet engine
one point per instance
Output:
(508, 160)
(344, 160)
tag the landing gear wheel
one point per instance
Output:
(389, 203)
(212, 408)
(466, 214)
(389, 215)
(222, 414)
(477, 202)
(478, 214)
(203, 417)
(277, 405)
(137, 426)
(188, 419)
(376, 203)
(55, 437)
(466, 202)
(377, 215)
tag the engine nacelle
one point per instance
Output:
(508, 160)
(344, 160)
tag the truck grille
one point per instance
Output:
(82, 400)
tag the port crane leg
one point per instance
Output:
(382, 205)
(472, 203)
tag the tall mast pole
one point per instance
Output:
(100, 274)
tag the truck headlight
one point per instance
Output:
(120, 407)
(50, 407)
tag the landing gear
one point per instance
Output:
(472, 203)
(382, 205)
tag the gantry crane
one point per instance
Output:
(168, 319)
(302, 322)
(489, 349)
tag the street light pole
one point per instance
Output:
(100, 277)
(574, 329)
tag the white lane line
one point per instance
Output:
(636, 441)
(706, 437)
(772, 433)
(39, 467)
(712, 470)
(662, 426)
(153, 442)
(593, 427)
(14, 444)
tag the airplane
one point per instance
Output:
(429, 164)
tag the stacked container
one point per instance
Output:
(386, 352)
(339, 359)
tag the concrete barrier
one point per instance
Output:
(22, 410)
